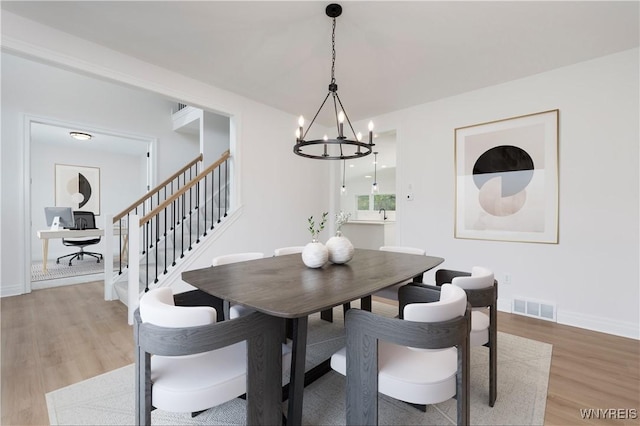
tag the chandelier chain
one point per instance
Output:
(333, 52)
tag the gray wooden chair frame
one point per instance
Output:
(364, 329)
(480, 298)
(264, 335)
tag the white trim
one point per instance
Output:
(587, 322)
(604, 325)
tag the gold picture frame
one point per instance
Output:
(507, 179)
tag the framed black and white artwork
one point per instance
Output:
(507, 179)
(77, 187)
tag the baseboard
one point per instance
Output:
(588, 322)
(603, 325)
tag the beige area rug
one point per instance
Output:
(523, 375)
(87, 266)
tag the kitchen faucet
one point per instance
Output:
(384, 216)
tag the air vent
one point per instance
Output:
(534, 308)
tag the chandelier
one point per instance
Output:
(342, 147)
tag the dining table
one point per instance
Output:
(283, 286)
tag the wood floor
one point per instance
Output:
(59, 336)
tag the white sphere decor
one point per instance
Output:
(315, 254)
(340, 249)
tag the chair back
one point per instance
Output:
(452, 304)
(84, 220)
(235, 257)
(404, 249)
(157, 307)
(480, 278)
(288, 250)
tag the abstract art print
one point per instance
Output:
(507, 179)
(78, 187)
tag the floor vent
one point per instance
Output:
(534, 308)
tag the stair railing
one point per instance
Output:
(146, 203)
(172, 228)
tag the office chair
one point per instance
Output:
(83, 220)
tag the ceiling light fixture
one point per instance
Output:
(344, 173)
(374, 187)
(341, 147)
(80, 136)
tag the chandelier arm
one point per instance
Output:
(346, 116)
(315, 116)
(335, 111)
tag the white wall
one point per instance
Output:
(31, 88)
(592, 274)
(122, 180)
(276, 190)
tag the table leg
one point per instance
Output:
(45, 253)
(365, 303)
(296, 381)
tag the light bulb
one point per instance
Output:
(297, 133)
(371, 126)
(359, 136)
(343, 189)
(341, 117)
(301, 121)
(325, 138)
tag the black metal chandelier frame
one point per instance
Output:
(363, 148)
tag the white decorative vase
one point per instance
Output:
(315, 254)
(340, 249)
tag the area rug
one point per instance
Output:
(523, 375)
(87, 266)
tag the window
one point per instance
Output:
(379, 201)
(384, 201)
(363, 202)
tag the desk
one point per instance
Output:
(284, 287)
(46, 234)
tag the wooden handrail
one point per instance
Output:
(151, 193)
(225, 156)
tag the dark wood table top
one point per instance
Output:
(283, 286)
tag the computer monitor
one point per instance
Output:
(59, 217)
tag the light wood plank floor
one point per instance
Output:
(59, 336)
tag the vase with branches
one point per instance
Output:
(312, 226)
(315, 254)
(340, 248)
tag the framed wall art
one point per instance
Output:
(77, 187)
(507, 179)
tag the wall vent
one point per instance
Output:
(534, 308)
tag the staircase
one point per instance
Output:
(184, 212)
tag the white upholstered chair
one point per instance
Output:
(392, 292)
(236, 310)
(421, 359)
(482, 294)
(186, 362)
(288, 250)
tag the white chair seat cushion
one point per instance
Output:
(479, 328)
(399, 378)
(198, 382)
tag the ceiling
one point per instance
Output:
(389, 55)
(48, 134)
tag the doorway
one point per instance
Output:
(123, 168)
